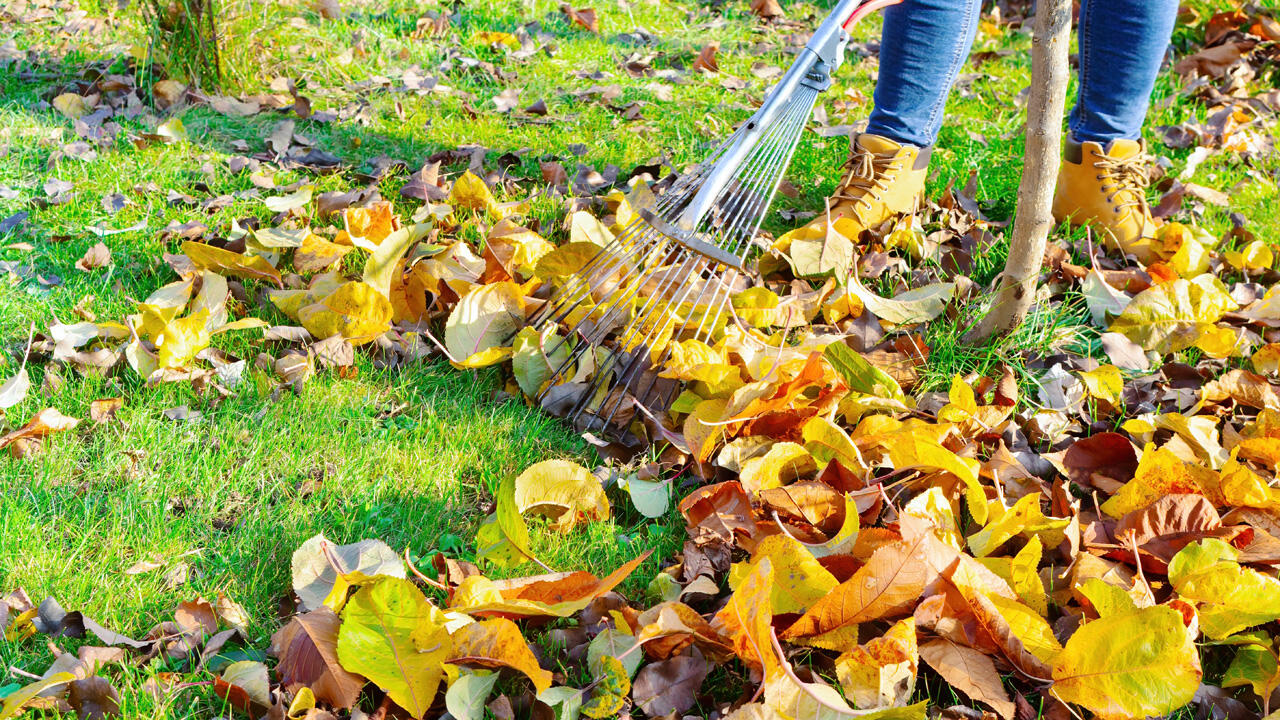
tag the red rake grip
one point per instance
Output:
(866, 9)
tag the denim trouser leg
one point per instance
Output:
(923, 45)
(1122, 43)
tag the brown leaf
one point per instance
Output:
(93, 698)
(196, 616)
(767, 9)
(307, 649)
(43, 424)
(970, 672)
(670, 686)
(1105, 461)
(706, 60)
(95, 257)
(585, 17)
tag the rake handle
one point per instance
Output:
(866, 9)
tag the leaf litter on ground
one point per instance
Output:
(1088, 545)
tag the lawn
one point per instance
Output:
(210, 494)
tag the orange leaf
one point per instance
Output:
(495, 644)
(888, 585)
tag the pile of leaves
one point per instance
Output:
(1088, 538)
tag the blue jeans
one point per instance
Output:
(924, 44)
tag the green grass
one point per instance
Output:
(225, 494)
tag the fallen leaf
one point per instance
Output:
(41, 425)
(562, 491)
(308, 655)
(670, 686)
(392, 635)
(317, 564)
(969, 671)
(1136, 664)
(706, 60)
(495, 644)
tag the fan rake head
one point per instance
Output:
(662, 279)
(669, 276)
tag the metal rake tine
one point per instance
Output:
(633, 288)
(616, 247)
(586, 274)
(636, 363)
(666, 353)
(668, 281)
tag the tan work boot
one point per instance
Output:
(883, 179)
(1105, 189)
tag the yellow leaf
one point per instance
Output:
(180, 340)
(746, 621)
(1136, 664)
(315, 254)
(695, 361)
(487, 317)
(1021, 572)
(827, 441)
(366, 227)
(699, 431)
(394, 636)
(1253, 257)
(517, 248)
(292, 201)
(536, 358)
(1173, 316)
(1159, 473)
(291, 301)
(918, 305)
(570, 258)
(799, 580)
(356, 311)
(1230, 598)
(225, 262)
(495, 37)
(16, 700)
(756, 306)
(610, 694)
(1107, 599)
(504, 538)
(383, 261)
(782, 464)
(585, 228)
(1266, 361)
(1105, 383)
(469, 191)
(909, 448)
(563, 491)
(70, 105)
(1025, 518)
(172, 130)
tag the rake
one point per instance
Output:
(670, 273)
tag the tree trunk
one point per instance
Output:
(1034, 215)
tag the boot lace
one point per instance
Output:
(1129, 178)
(867, 176)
